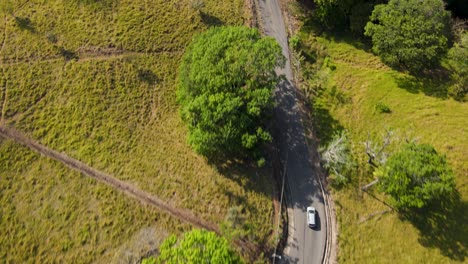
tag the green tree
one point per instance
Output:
(197, 246)
(415, 176)
(410, 33)
(458, 63)
(225, 90)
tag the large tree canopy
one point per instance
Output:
(225, 89)
(410, 33)
(197, 246)
(415, 176)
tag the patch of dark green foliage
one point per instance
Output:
(382, 108)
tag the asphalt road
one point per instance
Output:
(304, 245)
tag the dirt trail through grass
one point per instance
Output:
(4, 34)
(127, 188)
(4, 103)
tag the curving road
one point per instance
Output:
(304, 245)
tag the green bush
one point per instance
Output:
(329, 64)
(197, 246)
(295, 42)
(382, 108)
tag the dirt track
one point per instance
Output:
(127, 188)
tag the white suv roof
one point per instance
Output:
(311, 217)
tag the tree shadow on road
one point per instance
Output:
(443, 225)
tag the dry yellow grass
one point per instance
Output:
(96, 80)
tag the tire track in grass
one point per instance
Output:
(247, 247)
(5, 98)
(5, 94)
(83, 56)
(110, 180)
(4, 34)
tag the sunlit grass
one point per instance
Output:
(52, 214)
(419, 109)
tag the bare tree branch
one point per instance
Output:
(367, 186)
(377, 157)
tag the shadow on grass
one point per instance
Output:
(312, 26)
(444, 226)
(251, 179)
(24, 23)
(340, 36)
(210, 20)
(147, 76)
(306, 4)
(325, 125)
(68, 54)
(246, 174)
(434, 83)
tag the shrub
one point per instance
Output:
(197, 246)
(295, 42)
(382, 108)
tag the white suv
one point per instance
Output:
(311, 217)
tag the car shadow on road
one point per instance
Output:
(318, 226)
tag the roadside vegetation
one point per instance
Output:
(382, 107)
(196, 246)
(97, 81)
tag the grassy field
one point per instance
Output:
(96, 80)
(355, 83)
